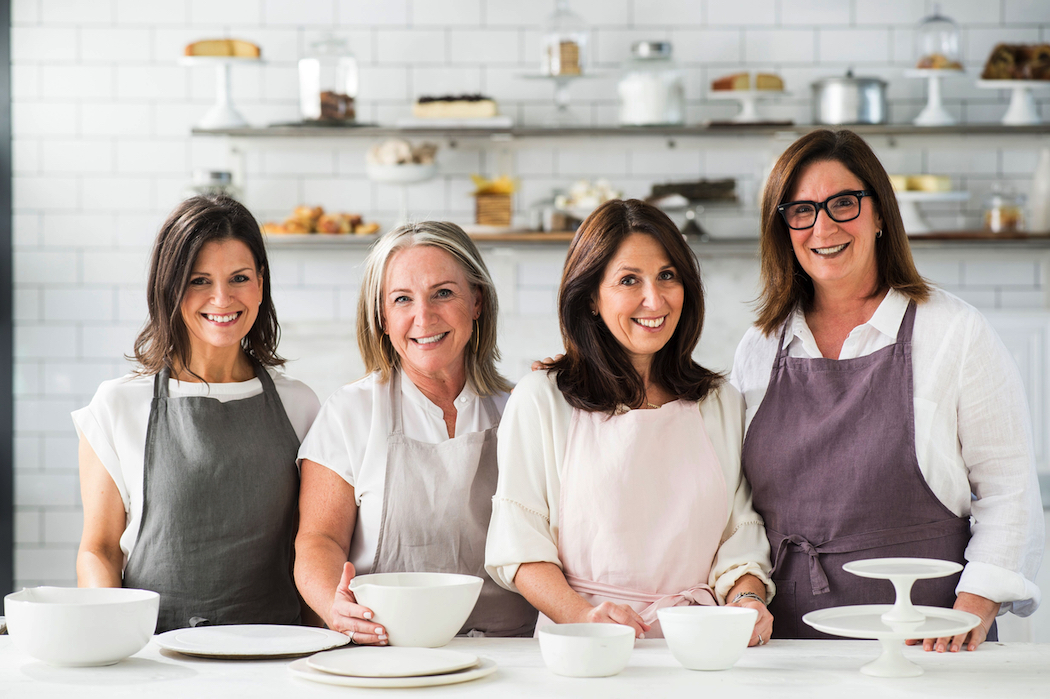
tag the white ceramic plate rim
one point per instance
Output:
(313, 640)
(301, 669)
(924, 568)
(823, 620)
(391, 661)
(1010, 84)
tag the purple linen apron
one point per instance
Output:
(830, 456)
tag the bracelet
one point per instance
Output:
(746, 595)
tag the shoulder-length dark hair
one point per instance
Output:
(785, 283)
(164, 341)
(596, 373)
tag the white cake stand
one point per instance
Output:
(934, 113)
(908, 203)
(891, 625)
(404, 175)
(563, 116)
(748, 100)
(222, 115)
(1022, 109)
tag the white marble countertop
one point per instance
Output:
(810, 669)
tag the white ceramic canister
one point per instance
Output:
(652, 89)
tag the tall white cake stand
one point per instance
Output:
(748, 100)
(934, 113)
(891, 625)
(1022, 110)
(908, 203)
(222, 115)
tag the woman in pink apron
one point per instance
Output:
(885, 418)
(399, 468)
(620, 490)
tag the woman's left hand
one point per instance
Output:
(763, 625)
(974, 604)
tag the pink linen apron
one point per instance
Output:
(830, 456)
(643, 508)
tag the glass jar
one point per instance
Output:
(937, 42)
(1004, 211)
(563, 45)
(328, 81)
(652, 89)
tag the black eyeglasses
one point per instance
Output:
(843, 207)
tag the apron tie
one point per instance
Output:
(818, 579)
(701, 594)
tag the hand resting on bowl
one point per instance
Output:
(349, 617)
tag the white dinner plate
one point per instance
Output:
(249, 641)
(865, 621)
(391, 661)
(301, 669)
(915, 568)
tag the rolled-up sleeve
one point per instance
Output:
(531, 445)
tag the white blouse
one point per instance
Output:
(114, 424)
(972, 430)
(525, 510)
(350, 436)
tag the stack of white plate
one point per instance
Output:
(391, 667)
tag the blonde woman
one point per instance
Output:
(399, 469)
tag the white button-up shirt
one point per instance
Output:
(972, 430)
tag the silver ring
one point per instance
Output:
(760, 641)
(355, 642)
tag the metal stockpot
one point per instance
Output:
(850, 100)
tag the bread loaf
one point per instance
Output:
(223, 47)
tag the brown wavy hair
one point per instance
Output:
(164, 341)
(596, 373)
(785, 283)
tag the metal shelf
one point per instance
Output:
(700, 130)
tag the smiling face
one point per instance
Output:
(836, 256)
(429, 310)
(640, 298)
(222, 299)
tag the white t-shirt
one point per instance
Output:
(972, 429)
(115, 423)
(533, 438)
(350, 436)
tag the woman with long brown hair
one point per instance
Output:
(885, 417)
(620, 489)
(187, 465)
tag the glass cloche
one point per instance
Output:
(937, 42)
(564, 42)
(328, 81)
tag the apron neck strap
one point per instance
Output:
(395, 402)
(905, 330)
(160, 383)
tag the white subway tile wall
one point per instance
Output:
(102, 114)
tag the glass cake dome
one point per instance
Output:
(564, 42)
(937, 42)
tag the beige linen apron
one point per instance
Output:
(643, 507)
(437, 502)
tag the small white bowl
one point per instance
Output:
(707, 637)
(425, 610)
(586, 650)
(80, 627)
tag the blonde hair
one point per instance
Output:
(377, 350)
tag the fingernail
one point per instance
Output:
(382, 637)
(955, 647)
(368, 615)
(380, 631)
(642, 636)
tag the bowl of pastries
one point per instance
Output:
(307, 220)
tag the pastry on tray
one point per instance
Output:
(223, 47)
(938, 61)
(313, 219)
(1018, 62)
(455, 107)
(742, 81)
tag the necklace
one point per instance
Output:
(653, 405)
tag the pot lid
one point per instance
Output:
(849, 79)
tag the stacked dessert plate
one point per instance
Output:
(392, 667)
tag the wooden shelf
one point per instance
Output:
(702, 130)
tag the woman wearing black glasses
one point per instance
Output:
(884, 416)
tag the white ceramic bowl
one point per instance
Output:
(418, 609)
(77, 627)
(586, 650)
(707, 637)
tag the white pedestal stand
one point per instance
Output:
(748, 100)
(222, 115)
(892, 625)
(934, 113)
(908, 202)
(403, 175)
(1022, 110)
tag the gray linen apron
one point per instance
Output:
(830, 456)
(437, 502)
(220, 497)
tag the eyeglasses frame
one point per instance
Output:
(818, 205)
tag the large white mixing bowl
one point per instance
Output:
(418, 609)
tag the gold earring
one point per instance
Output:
(477, 335)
